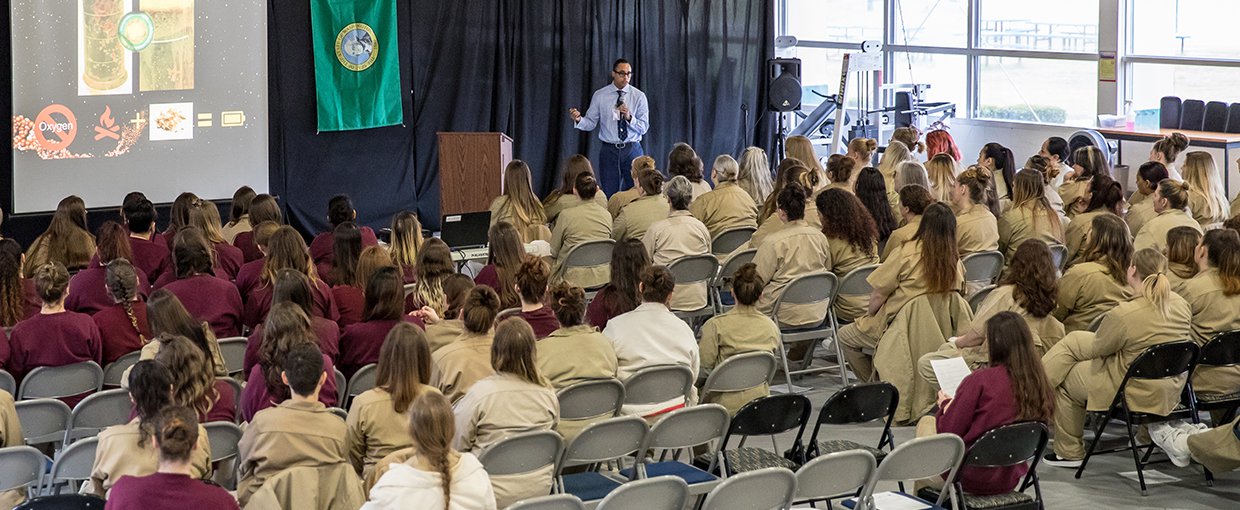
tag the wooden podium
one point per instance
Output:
(471, 170)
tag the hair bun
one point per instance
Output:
(1179, 141)
(484, 296)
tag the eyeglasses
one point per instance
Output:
(623, 73)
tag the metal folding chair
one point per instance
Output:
(1059, 255)
(982, 267)
(658, 493)
(73, 465)
(772, 487)
(979, 297)
(115, 371)
(1004, 446)
(659, 383)
(855, 404)
(232, 349)
(834, 475)
(721, 286)
(691, 270)
(97, 412)
(765, 416)
(852, 284)
(599, 443)
(586, 255)
(63, 381)
(553, 502)
(44, 420)
(1221, 351)
(591, 399)
(223, 437)
(678, 430)
(741, 372)
(361, 382)
(523, 453)
(920, 458)
(729, 240)
(21, 467)
(807, 290)
(8, 383)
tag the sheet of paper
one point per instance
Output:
(950, 372)
(897, 501)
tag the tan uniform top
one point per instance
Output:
(1077, 231)
(725, 208)
(844, 259)
(739, 330)
(462, 363)
(773, 224)
(576, 225)
(637, 217)
(230, 230)
(699, 188)
(679, 235)
(1213, 312)
(444, 332)
(1154, 233)
(295, 433)
(1020, 224)
(1127, 331)
(531, 229)
(1179, 275)
(1235, 207)
(557, 203)
(1047, 331)
(1197, 204)
(793, 251)
(10, 426)
(575, 354)
(502, 405)
(900, 278)
(900, 236)
(376, 429)
(118, 454)
(622, 198)
(1085, 292)
(1052, 196)
(1139, 214)
(976, 230)
(1071, 192)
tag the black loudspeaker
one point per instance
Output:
(784, 90)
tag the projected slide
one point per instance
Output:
(161, 96)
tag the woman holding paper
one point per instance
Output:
(1012, 389)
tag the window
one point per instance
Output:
(1037, 90)
(931, 23)
(835, 20)
(820, 74)
(947, 76)
(1150, 82)
(1185, 28)
(1046, 25)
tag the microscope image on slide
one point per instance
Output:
(159, 34)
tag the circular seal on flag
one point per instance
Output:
(356, 48)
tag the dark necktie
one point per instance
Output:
(622, 127)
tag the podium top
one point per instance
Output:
(474, 133)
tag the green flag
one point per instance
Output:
(356, 67)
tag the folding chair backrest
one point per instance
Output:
(860, 403)
(342, 385)
(115, 371)
(922, 457)
(1222, 350)
(854, 284)
(741, 372)
(590, 254)
(340, 413)
(64, 502)
(363, 380)
(62, 381)
(20, 466)
(232, 349)
(656, 384)
(688, 427)
(694, 269)
(236, 388)
(982, 266)
(75, 462)
(591, 399)
(770, 415)
(658, 493)
(554, 502)
(808, 289)
(729, 267)
(1059, 255)
(97, 412)
(1008, 445)
(729, 240)
(764, 489)
(1163, 361)
(976, 300)
(223, 437)
(835, 474)
(8, 383)
(522, 453)
(43, 420)
(605, 440)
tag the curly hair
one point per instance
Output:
(193, 377)
(844, 217)
(1031, 273)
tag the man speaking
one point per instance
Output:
(622, 116)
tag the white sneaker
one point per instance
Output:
(1173, 441)
(1190, 428)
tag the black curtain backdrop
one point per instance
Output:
(514, 66)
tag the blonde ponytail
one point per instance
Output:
(1151, 265)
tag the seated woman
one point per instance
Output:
(1055, 150)
(405, 245)
(620, 199)
(287, 326)
(684, 161)
(860, 150)
(250, 274)
(852, 240)
(977, 223)
(90, 290)
(513, 400)
(1214, 296)
(168, 318)
(228, 258)
(1087, 368)
(518, 206)
(56, 337)
(350, 297)
(564, 198)
(287, 250)
(635, 219)
(436, 476)
(1011, 388)
(377, 423)
(294, 287)
(908, 173)
(263, 208)
(346, 249)
(1087, 162)
(194, 384)
(621, 294)
(728, 206)
(209, 299)
(914, 200)
(467, 360)
(741, 330)
(123, 327)
(1104, 196)
(176, 435)
(1048, 170)
(872, 193)
(178, 218)
(1141, 203)
(1207, 200)
(441, 331)
(385, 307)
(796, 176)
(531, 284)
(576, 352)
(588, 222)
(1002, 165)
(1098, 281)
(840, 171)
(1027, 289)
(504, 255)
(66, 239)
(434, 265)
(239, 214)
(941, 170)
(796, 250)
(679, 235)
(1030, 217)
(18, 298)
(1170, 201)
(339, 210)
(127, 450)
(928, 264)
(1182, 243)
